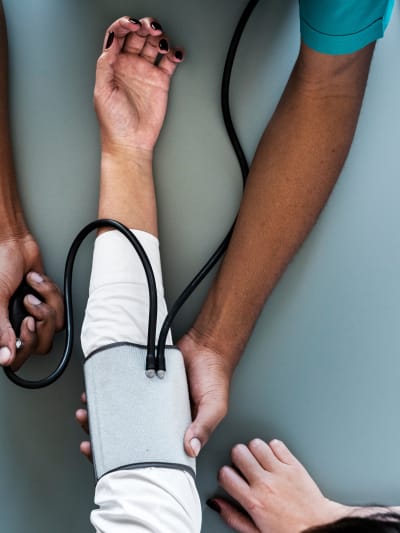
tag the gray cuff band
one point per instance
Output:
(135, 421)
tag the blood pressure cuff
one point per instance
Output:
(136, 421)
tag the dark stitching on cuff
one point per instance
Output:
(124, 343)
(134, 466)
(340, 34)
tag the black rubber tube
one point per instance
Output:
(153, 362)
(244, 167)
(69, 339)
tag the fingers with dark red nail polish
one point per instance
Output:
(163, 45)
(156, 25)
(179, 55)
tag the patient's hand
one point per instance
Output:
(131, 90)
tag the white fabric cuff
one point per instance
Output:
(118, 305)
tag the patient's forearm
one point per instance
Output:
(127, 190)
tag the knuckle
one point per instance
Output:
(252, 504)
(50, 313)
(44, 313)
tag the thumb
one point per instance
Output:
(210, 412)
(112, 46)
(234, 518)
(7, 335)
(105, 69)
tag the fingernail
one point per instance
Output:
(212, 504)
(34, 276)
(5, 354)
(33, 300)
(179, 55)
(156, 25)
(110, 39)
(196, 446)
(30, 323)
(164, 45)
(134, 21)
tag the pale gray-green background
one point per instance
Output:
(322, 368)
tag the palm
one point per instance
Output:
(133, 106)
(132, 84)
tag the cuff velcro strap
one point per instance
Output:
(136, 421)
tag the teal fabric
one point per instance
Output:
(343, 26)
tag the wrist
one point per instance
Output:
(114, 151)
(210, 337)
(194, 345)
(120, 165)
(12, 228)
(129, 161)
(12, 220)
(126, 181)
(221, 327)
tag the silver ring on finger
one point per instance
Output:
(19, 344)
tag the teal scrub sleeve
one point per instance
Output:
(343, 26)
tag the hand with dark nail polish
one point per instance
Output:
(139, 64)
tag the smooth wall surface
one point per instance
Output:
(322, 368)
